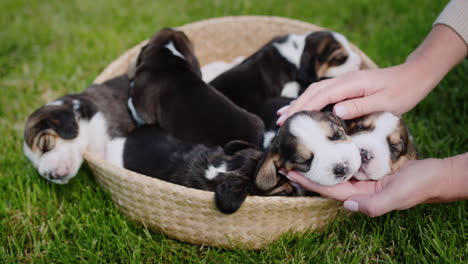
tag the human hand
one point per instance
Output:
(395, 89)
(419, 181)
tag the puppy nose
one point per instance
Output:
(365, 156)
(56, 175)
(340, 170)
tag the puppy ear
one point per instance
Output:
(306, 73)
(266, 177)
(183, 44)
(231, 193)
(234, 146)
(63, 122)
(132, 66)
(411, 151)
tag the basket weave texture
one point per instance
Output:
(188, 214)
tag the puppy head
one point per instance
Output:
(326, 55)
(313, 143)
(384, 143)
(167, 42)
(52, 140)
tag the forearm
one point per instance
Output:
(453, 180)
(442, 49)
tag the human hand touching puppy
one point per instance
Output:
(396, 89)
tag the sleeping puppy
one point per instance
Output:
(167, 90)
(313, 143)
(226, 171)
(286, 66)
(57, 134)
(384, 142)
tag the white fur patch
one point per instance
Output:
(76, 104)
(267, 138)
(97, 136)
(327, 154)
(292, 48)
(213, 171)
(290, 90)
(115, 151)
(375, 142)
(134, 113)
(170, 46)
(62, 163)
(55, 103)
(353, 63)
(214, 69)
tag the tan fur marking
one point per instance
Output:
(266, 177)
(285, 188)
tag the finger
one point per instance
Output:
(323, 93)
(302, 101)
(339, 192)
(282, 110)
(372, 205)
(357, 107)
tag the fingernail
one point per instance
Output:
(281, 119)
(282, 109)
(340, 111)
(351, 205)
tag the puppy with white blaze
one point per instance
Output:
(286, 66)
(313, 143)
(384, 142)
(58, 134)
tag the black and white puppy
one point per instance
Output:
(226, 171)
(57, 134)
(167, 90)
(313, 143)
(384, 142)
(286, 66)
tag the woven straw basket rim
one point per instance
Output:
(188, 214)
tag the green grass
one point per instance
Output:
(49, 48)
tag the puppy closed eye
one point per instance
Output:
(302, 164)
(396, 148)
(338, 60)
(302, 161)
(339, 134)
(46, 143)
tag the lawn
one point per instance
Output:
(49, 48)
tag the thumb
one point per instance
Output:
(356, 107)
(372, 205)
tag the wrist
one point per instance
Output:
(442, 49)
(452, 179)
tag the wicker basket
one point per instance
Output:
(188, 214)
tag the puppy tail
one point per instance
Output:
(231, 194)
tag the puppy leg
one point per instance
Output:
(231, 193)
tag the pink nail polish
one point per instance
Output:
(282, 110)
(351, 205)
(281, 119)
(340, 111)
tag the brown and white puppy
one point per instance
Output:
(57, 134)
(167, 90)
(226, 171)
(313, 143)
(286, 66)
(384, 142)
